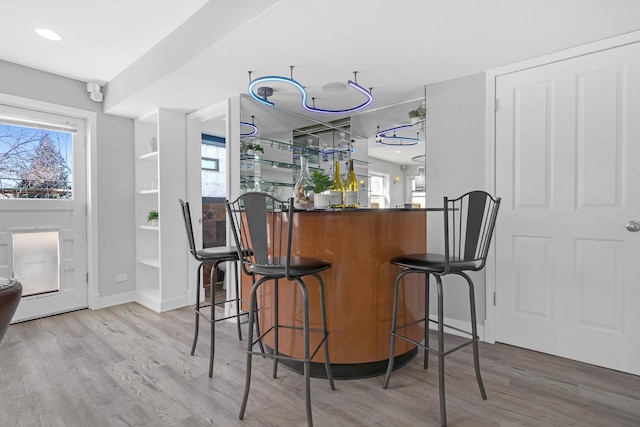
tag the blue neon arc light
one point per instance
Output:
(303, 92)
(399, 140)
(254, 129)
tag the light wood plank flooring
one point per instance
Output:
(129, 366)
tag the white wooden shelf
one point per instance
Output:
(149, 227)
(151, 262)
(149, 156)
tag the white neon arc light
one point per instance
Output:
(303, 92)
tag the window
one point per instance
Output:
(214, 166)
(210, 164)
(35, 162)
(418, 195)
(379, 190)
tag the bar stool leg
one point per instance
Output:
(325, 334)
(237, 297)
(443, 409)
(307, 358)
(426, 321)
(275, 327)
(474, 333)
(247, 383)
(197, 311)
(394, 320)
(257, 320)
(212, 314)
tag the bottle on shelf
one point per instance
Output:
(303, 188)
(336, 191)
(351, 188)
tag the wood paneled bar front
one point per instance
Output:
(359, 243)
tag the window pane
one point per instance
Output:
(377, 185)
(214, 179)
(210, 164)
(35, 163)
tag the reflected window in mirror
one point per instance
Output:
(213, 164)
(379, 190)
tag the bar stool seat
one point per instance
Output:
(433, 262)
(265, 224)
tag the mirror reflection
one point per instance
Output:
(386, 146)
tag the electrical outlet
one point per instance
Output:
(121, 278)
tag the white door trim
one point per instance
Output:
(490, 144)
(91, 136)
(194, 179)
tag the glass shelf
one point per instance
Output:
(274, 163)
(251, 180)
(296, 149)
(285, 146)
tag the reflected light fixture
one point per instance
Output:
(48, 34)
(255, 92)
(252, 126)
(400, 141)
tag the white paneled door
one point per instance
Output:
(568, 170)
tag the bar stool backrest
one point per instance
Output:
(262, 227)
(469, 222)
(186, 215)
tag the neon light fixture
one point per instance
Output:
(252, 126)
(254, 129)
(261, 93)
(401, 141)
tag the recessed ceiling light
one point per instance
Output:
(334, 87)
(48, 34)
(397, 151)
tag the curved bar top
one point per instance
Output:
(359, 243)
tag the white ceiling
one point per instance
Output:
(190, 54)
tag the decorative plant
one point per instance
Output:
(152, 215)
(419, 112)
(321, 181)
(248, 146)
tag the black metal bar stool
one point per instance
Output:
(468, 226)
(214, 256)
(265, 224)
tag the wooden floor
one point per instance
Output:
(128, 366)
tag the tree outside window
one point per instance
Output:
(35, 163)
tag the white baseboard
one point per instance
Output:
(111, 300)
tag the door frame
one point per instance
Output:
(194, 178)
(490, 144)
(91, 161)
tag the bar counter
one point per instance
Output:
(359, 287)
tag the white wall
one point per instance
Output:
(455, 164)
(115, 178)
